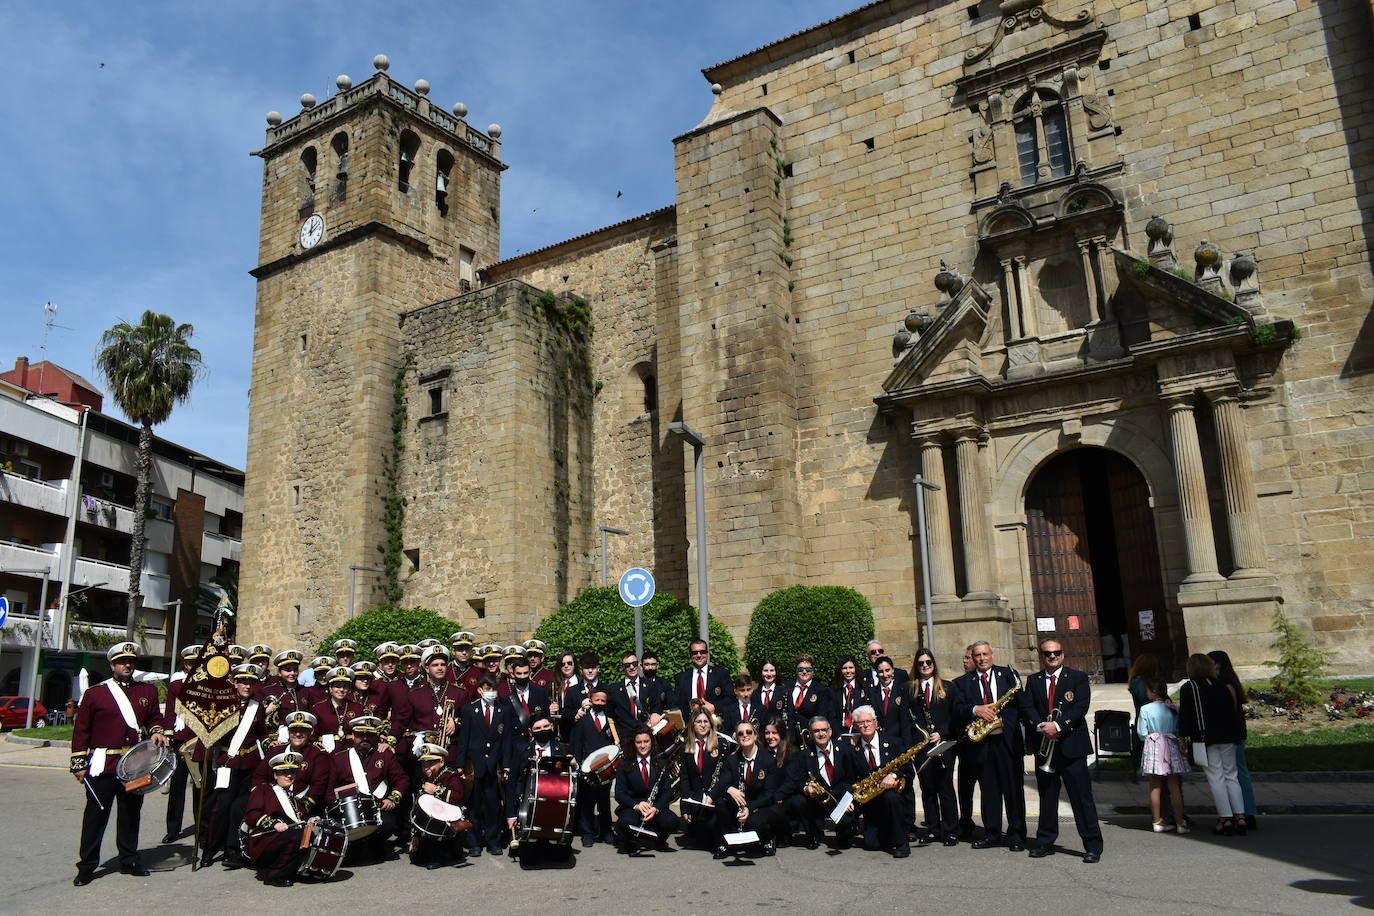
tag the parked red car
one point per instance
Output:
(15, 710)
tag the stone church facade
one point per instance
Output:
(1098, 273)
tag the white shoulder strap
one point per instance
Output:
(287, 805)
(122, 701)
(241, 733)
(359, 777)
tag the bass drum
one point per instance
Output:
(358, 814)
(146, 767)
(325, 844)
(550, 796)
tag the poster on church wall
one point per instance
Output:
(1044, 624)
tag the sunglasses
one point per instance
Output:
(875, 651)
(803, 668)
(700, 652)
(744, 734)
(925, 663)
(567, 664)
(629, 665)
(1051, 653)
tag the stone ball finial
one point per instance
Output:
(717, 88)
(422, 87)
(344, 82)
(273, 118)
(1159, 230)
(948, 281)
(916, 322)
(307, 101)
(382, 62)
(1242, 268)
(1207, 256)
(494, 131)
(460, 110)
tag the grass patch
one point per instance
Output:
(48, 732)
(1350, 748)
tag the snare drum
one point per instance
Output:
(357, 814)
(437, 819)
(325, 844)
(599, 765)
(550, 798)
(146, 767)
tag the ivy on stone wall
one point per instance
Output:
(393, 504)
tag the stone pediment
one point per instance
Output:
(949, 345)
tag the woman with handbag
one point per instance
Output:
(1209, 714)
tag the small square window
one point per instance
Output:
(436, 400)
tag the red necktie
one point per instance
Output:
(701, 755)
(748, 772)
(886, 695)
(872, 761)
(1051, 697)
(630, 690)
(829, 770)
(801, 692)
(525, 703)
(600, 722)
(701, 684)
(987, 691)
(848, 705)
(743, 712)
(488, 710)
(767, 696)
(644, 770)
(927, 694)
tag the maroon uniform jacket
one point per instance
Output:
(332, 722)
(426, 709)
(99, 723)
(251, 751)
(380, 765)
(169, 714)
(313, 778)
(289, 699)
(265, 811)
(543, 678)
(450, 784)
(472, 678)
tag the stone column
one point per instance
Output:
(937, 521)
(1238, 481)
(973, 516)
(1013, 302)
(1087, 255)
(1029, 326)
(1192, 492)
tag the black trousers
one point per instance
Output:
(815, 813)
(884, 821)
(663, 824)
(938, 798)
(701, 828)
(727, 821)
(176, 801)
(1001, 779)
(1078, 784)
(372, 848)
(93, 820)
(594, 809)
(280, 855)
(224, 811)
(484, 808)
(968, 781)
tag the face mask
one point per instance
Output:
(522, 682)
(599, 707)
(489, 696)
(543, 735)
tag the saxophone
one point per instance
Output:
(979, 729)
(871, 786)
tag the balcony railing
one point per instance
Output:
(216, 548)
(23, 630)
(34, 494)
(106, 514)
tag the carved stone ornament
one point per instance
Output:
(982, 138)
(1021, 14)
(909, 334)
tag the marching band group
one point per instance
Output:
(447, 752)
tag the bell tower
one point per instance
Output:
(374, 201)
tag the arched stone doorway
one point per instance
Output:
(1094, 562)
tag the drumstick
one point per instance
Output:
(95, 798)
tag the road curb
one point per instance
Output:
(1208, 811)
(36, 742)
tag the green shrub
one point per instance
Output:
(826, 622)
(598, 621)
(1300, 663)
(402, 625)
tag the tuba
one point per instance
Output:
(979, 729)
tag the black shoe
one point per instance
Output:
(235, 864)
(1017, 846)
(812, 843)
(987, 842)
(1092, 858)
(430, 866)
(474, 852)
(588, 841)
(901, 852)
(770, 848)
(83, 878)
(608, 837)
(207, 859)
(721, 853)
(951, 841)
(279, 882)
(1039, 852)
(494, 849)
(138, 870)
(170, 837)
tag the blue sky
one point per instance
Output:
(128, 183)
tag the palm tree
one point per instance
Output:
(150, 368)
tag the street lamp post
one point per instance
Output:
(921, 486)
(176, 634)
(605, 530)
(352, 580)
(698, 448)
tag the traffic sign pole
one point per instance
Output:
(636, 588)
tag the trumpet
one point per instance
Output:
(820, 792)
(1047, 745)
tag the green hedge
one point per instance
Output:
(598, 621)
(826, 622)
(379, 625)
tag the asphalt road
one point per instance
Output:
(1296, 864)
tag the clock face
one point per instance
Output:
(312, 230)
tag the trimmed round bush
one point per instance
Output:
(383, 624)
(598, 621)
(826, 622)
